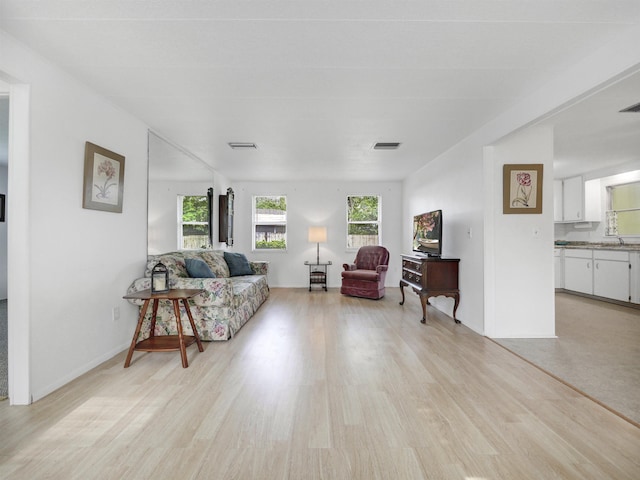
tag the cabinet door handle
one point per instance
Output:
(597, 266)
(588, 265)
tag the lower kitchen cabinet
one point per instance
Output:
(558, 267)
(604, 273)
(578, 270)
(611, 275)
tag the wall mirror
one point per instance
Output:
(172, 173)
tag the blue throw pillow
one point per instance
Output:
(198, 268)
(238, 264)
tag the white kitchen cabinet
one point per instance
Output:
(578, 270)
(573, 199)
(611, 274)
(558, 267)
(634, 273)
(557, 201)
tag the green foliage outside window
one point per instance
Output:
(363, 220)
(194, 209)
(362, 209)
(194, 228)
(273, 245)
(271, 203)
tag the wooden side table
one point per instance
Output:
(318, 274)
(165, 343)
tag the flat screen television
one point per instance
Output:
(427, 233)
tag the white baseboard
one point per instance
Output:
(61, 382)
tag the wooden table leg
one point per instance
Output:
(154, 313)
(143, 312)
(424, 300)
(402, 291)
(193, 324)
(183, 349)
(456, 298)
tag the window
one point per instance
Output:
(193, 222)
(363, 220)
(270, 222)
(623, 216)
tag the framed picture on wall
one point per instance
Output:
(2, 202)
(103, 179)
(522, 188)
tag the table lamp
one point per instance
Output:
(318, 235)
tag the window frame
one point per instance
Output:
(611, 214)
(181, 223)
(378, 222)
(255, 223)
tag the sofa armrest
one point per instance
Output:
(382, 268)
(349, 267)
(137, 286)
(259, 267)
(218, 292)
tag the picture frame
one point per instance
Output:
(103, 179)
(522, 188)
(2, 206)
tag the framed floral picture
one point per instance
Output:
(522, 188)
(103, 179)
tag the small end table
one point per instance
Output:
(165, 343)
(318, 274)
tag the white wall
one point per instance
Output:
(520, 246)
(80, 262)
(4, 152)
(3, 238)
(318, 203)
(454, 183)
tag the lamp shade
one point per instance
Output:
(318, 234)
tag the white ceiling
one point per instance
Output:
(316, 83)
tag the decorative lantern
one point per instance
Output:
(159, 278)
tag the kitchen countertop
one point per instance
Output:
(627, 247)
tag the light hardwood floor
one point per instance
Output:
(321, 386)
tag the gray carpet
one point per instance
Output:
(596, 351)
(4, 368)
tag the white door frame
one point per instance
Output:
(18, 246)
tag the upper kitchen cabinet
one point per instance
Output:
(576, 200)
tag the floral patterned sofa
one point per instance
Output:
(226, 304)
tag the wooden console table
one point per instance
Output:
(431, 277)
(165, 343)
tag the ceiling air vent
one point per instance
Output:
(386, 145)
(242, 145)
(633, 108)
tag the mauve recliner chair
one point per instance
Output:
(365, 277)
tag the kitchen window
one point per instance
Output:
(623, 214)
